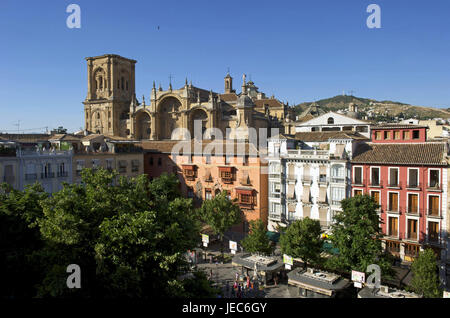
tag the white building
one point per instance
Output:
(332, 121)
(309, 175)
(27, 162)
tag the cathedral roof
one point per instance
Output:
(271, 102)
(229, 97)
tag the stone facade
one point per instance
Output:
(111, 107)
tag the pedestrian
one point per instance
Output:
(248, 281)
(237, 276)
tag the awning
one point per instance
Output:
(305, 196)
(306, 173)
(323, 213)
(322, 194)
(273, 236)
(306, 211)
(188, 167)
(291, 191)
(339, 150)
(292, 207)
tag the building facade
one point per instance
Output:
(408, 177)
(309, 176)
(207, 168)
(111, 107)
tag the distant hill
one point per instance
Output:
(388, 109)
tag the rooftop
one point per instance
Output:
(426, 153)
(324, 136)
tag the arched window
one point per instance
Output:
(100, 80)
(98, 115)
(330, 121)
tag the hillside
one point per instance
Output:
(377, 109)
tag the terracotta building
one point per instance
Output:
(209, 167)
(408, 177)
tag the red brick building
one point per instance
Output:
(209, 167)
(407, 176)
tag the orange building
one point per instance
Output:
(209, 167)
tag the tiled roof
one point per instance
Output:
(271, 102)
(413, 154)
(26, 138)
(229, 97)
(215, 147)
(322, 136)
(397, 126)
(65, 137)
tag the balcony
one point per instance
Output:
(275, 195)
(47, 175)
(30, 176)
(434, 186)
(337, 179)
(275, 175)
(394, 185)
(336, 202)
(413, 212)
(275, 216)
(414, 186)
(394, 211)
(324, 180)
(433, 213)
(306, 180)
(376, 184)
(358, 183)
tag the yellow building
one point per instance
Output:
(111, 107)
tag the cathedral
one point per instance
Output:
(111, 107)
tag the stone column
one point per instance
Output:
(402, 251)
(153, 135)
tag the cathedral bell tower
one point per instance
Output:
(111, 88)
(228, 84)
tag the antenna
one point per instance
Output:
(18, 126)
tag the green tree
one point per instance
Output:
(302, 239)
(425, 280)
(356, 233)
(257, 241)
(19, 238)
(220, 213)
(129, 237)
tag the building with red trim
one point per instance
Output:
(407, 176)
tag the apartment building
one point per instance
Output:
(408, 177)
(309, 175)
(206, 168)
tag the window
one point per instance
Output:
(393, 201)
(358, 175)
(413, 203)
(387, 135)
(433, 205)
(393, 226)
(330, 121)
(416, 134)
(396, 135)
(413, 178)
(208, 159)
(189, 172)
(378, 135)
(434, 178)
(109, 164)
(208, 194)
(433, 231)
(122, 166)
(226, 174)
(406, 135)
(337, 195)
(135, 165)
(358, 192)
(412, 229)
(393, 177)
(80, 166)
(190, 192)
(375, 176)
(376, 196)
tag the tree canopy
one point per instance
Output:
(356, 234)
(302, 239)
(257, 241)
(129, 236)
(425, 280)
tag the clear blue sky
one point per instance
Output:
(298, 50)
